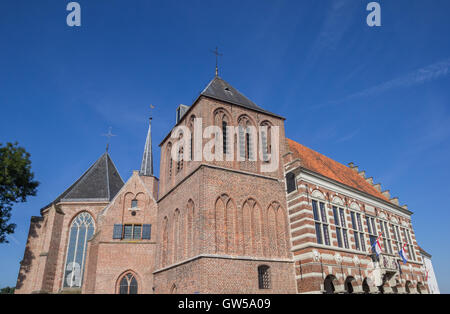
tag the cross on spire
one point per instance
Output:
(108, 135)
(151, 110)
(216, 52)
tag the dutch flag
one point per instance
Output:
(403, 254)
(377, 246)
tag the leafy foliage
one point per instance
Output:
(16, 183)
(7, 290)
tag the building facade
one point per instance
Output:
(224, 224)
(430, 275)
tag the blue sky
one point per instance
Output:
(376, 96)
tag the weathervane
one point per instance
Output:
(216, 52)
(108, 135)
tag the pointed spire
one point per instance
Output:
(147, 158)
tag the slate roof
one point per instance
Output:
(147, 158)
(221, 90)
(332, 169)
(100, 182)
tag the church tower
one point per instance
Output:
(223, 221)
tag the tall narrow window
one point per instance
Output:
(321, 223)
(246, 138)
(128, 284)
(358, 231)
(341, 227)
(290, 182)
(265, 134)
(410, 246)
(264, 277)
(372, 230)
(224, 137)
(385, 234)
(247, 145)
(81, 231)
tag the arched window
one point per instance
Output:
(81, 231)
(128, 284)
(246, 139)
(224, 136)
(221, 120)
(328, 284)
(169, 160)
(365, 286)
(191, 128)
(264, 277)
(407, 287)
(349, 285)
(266, 140)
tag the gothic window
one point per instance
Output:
(266, 140)
(341, 227)
(81, 231)
(224, 136)
(180, 154)
(191, 128)
(169, 160)
(321, 222)
(221, 120)
(264, 277)
(246, 139)
(128, 284)
(180, 160)
(290, 182)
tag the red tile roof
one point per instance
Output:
(329, 168)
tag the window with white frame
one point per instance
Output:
(386, 235)
(358, 231)
(321, 222)
(409, 244)
(341, 227)
(372, 230)
(396, 240)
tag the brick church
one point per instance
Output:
(312, 225)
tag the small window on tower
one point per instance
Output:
(134, 204)
(264, 277)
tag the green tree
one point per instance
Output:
(16, 183)
(7, 290)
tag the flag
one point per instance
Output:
(377, 246)
(426, 278)
(403, 254)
